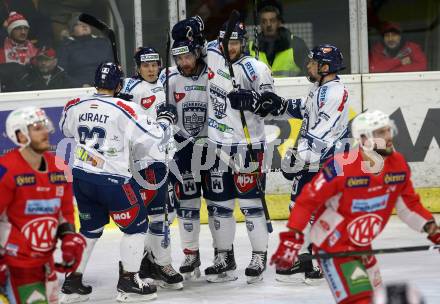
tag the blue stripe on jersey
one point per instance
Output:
(117, 107)
(215, 51)
(133, 86)
(331, 127)
(245, 72)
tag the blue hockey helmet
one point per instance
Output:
(146, 54)
(328, 54)
(108, 76)
(238, 33)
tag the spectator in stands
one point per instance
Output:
(44, 73)
(82, 52)
(16, 47)
(395, 54)
(283, 52)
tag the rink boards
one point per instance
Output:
(411, 99)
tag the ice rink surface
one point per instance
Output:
(421, 269)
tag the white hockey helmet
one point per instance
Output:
(366, 123)
(20, 119)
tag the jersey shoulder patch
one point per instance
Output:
(250, 69)
(130, 84)
(3, 171)
(127, 108)
(331, 170)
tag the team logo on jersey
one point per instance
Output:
(57, 178)
(250, 225)
(218, 101)
(149, 194)
(216, 181)
(394, 178)
(42, 206)
(188, 227)
(146, 102)
(179, 96)
(357, 182)
(245, 182)
(41, 233)
(189, 185)
(210, 74)
(363, 229)
(194, 116)
(125, 218)
(321, 97)
(25, 180)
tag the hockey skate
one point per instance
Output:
(254, 272)
(167, 277)
(131, 288)
(190, 266)
(147, 267)
(73, 290)
(223, 268)
(302, 271)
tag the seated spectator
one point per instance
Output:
(395, 54)
(16, 47)
(10, 76)
(44, 73)
(283, 52)
(82, 52)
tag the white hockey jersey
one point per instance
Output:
(224, 123)
(189, 95)
(105, 130)
(148, 95)
(325, 119)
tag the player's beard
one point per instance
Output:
(384, 152)
(40, 147)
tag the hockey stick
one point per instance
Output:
(103, 28)
(233, 19)
(166, 224)
(255, 13)
(343, 254)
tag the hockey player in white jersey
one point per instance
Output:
(188, 83)
(226, 131)
(105, 130)
(145, 88)
(324, 127)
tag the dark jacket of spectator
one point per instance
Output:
(44, 73)
(81, 53)
(394, 54)
(10, 75)
(16, 47)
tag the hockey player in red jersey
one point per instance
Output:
(36, 210)
(352, 199)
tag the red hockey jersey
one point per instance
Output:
(352, 207)
(32, 205)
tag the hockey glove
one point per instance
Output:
(433, 232)
(246, 100)
(273, 104)
(291, 167)
(72, 247)
(167, 113)
(288, 249)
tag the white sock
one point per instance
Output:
(132, 251)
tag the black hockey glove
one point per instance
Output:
(167, 113)
(246, 100)
(273, 104)
(291, 167)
